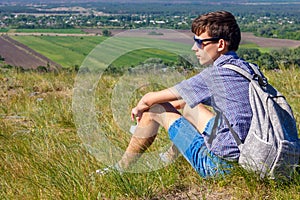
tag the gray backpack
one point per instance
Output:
(272, 146)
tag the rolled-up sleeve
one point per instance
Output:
(195, 90)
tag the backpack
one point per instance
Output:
(272, 146)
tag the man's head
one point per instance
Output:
(220, 24)
(216, 33)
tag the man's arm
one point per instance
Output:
(152, 98)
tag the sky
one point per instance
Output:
(140, 1)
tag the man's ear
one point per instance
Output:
(222, 46)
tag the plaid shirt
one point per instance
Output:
(227, 90)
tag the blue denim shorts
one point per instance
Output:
(191, 144)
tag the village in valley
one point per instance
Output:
(260, 24)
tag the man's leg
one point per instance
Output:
(160, 114)
(199, 117)
(185, 134)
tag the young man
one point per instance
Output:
(217, 37)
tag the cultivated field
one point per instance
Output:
(69, 49)
(20, 55)
(185, 36)
(269, 42)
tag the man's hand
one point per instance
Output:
(152, 98)
(137, 112)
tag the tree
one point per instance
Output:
(249, 54)
(106, 33)
(183, 62)
(267, 61)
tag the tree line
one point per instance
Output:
(274, 60)
(274, 20)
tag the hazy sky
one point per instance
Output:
(140, 1)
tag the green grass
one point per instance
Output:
(67, 51)
(70, 31)
(135, 57)
(4, 30)
(249, 45)
(42, 156)
(288, 83)
(255, 46)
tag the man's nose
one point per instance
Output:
(195, 47)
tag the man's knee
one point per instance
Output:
(162, 107)
(153, 113)
(198, 116)
(164, 114)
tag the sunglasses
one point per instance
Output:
(199, 42)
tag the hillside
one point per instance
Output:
(43, 157)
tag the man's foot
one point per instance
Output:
(132, 129)
(170, 155)
(103, 171)
(109, 169)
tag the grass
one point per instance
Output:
(287, 82)
(42, 156)
(255, 46)
(4, 30)
(133, 58)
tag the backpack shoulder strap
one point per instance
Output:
(262, 81)
(214, 131)
(219, 112)
(255, 69)
(239, 70)
(234, 134)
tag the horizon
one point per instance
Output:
(155, 1)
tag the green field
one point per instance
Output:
(67, 51)
(135, 57)
(255, 46)
(71, 51)
(3, 30)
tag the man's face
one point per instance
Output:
(206, 49)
